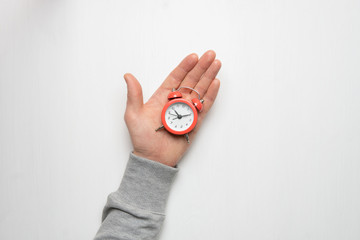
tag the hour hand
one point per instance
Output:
(177, 113)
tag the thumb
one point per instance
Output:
(134, 92)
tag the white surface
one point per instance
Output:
(283, 162)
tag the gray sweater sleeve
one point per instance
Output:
(136, 210)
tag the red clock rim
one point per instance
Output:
(192, 108)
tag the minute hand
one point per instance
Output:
(186, 115)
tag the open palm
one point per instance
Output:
(142, 119)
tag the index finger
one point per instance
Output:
(178, 74)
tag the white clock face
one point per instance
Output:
(179, 116)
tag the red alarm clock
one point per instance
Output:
(179, 116)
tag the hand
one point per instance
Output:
(142, 119)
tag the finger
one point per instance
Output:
(210, 97)
(175, 77)
(207, 78)
(178, 74)
(134, 93)
(195, 74)
(209, 100)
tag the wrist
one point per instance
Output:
(171, 162)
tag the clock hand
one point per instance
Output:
(186, 115)
(177, 113)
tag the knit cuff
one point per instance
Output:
(146, 184)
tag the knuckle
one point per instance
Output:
(209, 100)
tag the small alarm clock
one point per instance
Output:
(179, 116)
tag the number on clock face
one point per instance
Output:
(179, 116)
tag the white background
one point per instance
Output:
(277, 158)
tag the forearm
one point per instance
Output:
(136, 210)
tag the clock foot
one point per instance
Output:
(161, 127)
(187, 138)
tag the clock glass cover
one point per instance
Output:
(179, 116)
